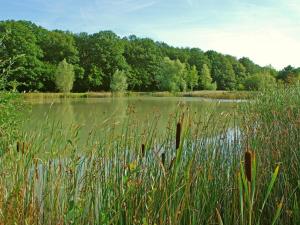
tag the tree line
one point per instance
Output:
(33, 58)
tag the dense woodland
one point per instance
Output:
(35, 59)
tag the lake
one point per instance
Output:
(97, 113)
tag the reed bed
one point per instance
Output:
(238, 168)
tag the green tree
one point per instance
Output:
(173, 75)
(64, 76)
(20, 40)
(119, 81)
(95, 77)
(192, 78)
(250, 66)
(239, 71)
(289, 75)
(222, 71)
(259, 81)
(205, 79)
(144, 58)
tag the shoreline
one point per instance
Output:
(232, 95)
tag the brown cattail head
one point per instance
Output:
(36, 169)
(143, 150)
(18, 146)
(163, 158)
(178, 133)
(248, 165)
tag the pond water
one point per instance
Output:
(94, 113)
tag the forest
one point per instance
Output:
(40, 60)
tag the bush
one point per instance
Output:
(259, 82)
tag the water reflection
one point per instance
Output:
(94, 113)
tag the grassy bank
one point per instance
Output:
(246, 174)
(203, 94)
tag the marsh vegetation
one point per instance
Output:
(237, 166)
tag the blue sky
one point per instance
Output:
(267, 31)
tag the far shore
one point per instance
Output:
(203, 94)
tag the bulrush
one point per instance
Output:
(18, 146)
(163, 158)
(143, 150)
(178, 133)
(36, 169)
(248, 165)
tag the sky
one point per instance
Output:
(266, 31)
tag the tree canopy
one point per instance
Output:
(148, 65)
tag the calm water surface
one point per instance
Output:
(94, 113)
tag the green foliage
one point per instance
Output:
(192, 78)
(119, 82)
(20, 40)
(32, 53)
(101, 54)
(259, 82)
(10, 120)
(172, 76)
(205, 79)
(222, 71)
(64, 76)
(116, 181)
(144, 58)
(250, 67)
(290, 75)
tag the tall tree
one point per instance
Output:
(144, 58)
(205, 79)
(192, 78)
(221, 71)
(119, 82)
(20, 40)
(172, 76)
(64, 76)
(250, 66)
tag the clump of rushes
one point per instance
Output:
(102, 182)
(247, 189)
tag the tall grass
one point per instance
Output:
(196, 173)
(10, 110)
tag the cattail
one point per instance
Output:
(163, 158)
(143, 150)
(18, 146)
(248, 165)
(36, 169)
(178, 133)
